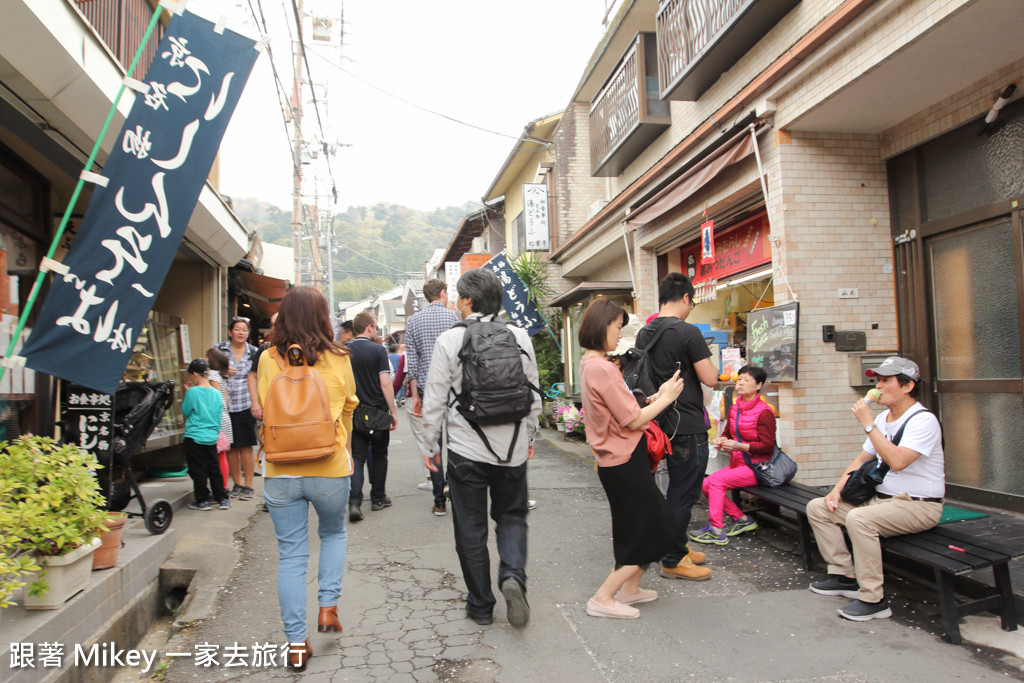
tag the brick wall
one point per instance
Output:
(830, 210)
(575, 189)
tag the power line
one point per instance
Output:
(397, 270)
(345, 71)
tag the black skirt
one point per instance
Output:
(243, 428)
(643, 526)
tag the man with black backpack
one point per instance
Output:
(483, 383)
(672, 343)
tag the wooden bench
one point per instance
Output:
(951, 550)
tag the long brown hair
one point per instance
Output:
(304, 320)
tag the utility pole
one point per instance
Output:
(330, 264)
(297, 150)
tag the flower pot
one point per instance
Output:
(561, 426)
(66, 574)
(105, 556)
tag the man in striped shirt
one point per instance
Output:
(421, 332)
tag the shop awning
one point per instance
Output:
(692, 180)
(585, 289)
(264, 293)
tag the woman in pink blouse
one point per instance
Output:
(642, 522)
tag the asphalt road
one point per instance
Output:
(403, 611)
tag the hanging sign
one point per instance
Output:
(134, 223)
(737, 249)
(535, 214)
(707, 241)
(514, 298)
(452, 273)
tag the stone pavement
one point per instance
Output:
(403, 611)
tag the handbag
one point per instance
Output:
(367, 419)
(658, 444)
(860, 486)
(773, 472)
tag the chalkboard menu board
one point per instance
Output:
(772, 336)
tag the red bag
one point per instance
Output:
(658, 444)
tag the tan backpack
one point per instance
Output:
(297, 421)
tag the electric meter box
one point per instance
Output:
(859, 362)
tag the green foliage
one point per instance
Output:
(532, 270)
(50, 503)
(549, 360)
(375, 247)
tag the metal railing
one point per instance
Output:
(615, 112)
(685, 29)
(122, 24)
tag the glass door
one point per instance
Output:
(976, 292)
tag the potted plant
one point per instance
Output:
(51, 507)
(105, 556)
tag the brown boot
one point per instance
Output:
(696, 556)
(299, 654)
(686, 570)
(328, 620)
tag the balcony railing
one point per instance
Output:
(698, 40)
(627, 113)
(122, 24)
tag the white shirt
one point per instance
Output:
(926, 476)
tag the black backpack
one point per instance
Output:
(494, 386)
(637, 366)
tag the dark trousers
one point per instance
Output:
(469, 482)
(687, 464)
(203, 467)
(371, 451)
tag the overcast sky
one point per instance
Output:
(494, 64)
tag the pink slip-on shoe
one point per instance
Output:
(643, 595)
(616, 611)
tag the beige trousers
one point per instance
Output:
(865, 523)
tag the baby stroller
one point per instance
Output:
(138, 407)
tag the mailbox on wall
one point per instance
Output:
(859, 362)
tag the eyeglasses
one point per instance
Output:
(693, 303)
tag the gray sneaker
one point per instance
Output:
(858, 610)
(837, 585)
(246, 493)
(235, 491)
(518, 610)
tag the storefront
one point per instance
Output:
(957, 234)
(573, 303)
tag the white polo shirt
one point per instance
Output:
(926, 476)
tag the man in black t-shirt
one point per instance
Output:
(373, 388)
(681, 345)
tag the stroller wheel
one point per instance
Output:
(158, 516)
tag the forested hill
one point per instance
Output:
(374, 246)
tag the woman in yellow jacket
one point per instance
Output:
(290, 489)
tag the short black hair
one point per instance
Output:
(904, 380)
(484, 288)
(756, 371)
(674, 287)
(347, 326)
(596, 319)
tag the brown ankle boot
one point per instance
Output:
(696, 556)
(328, 620)
(299, 654)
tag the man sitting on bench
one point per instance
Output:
(908, 500)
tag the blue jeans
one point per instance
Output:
(687, 464)
(371, 451)
(288, 501)
(468, 482)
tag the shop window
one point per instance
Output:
(157, 358)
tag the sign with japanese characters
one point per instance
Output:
(133, 225)
(736, 249)
(535, 216)
(514, 297)
(452, 273)
(86, 419)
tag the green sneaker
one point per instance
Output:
(738, 526)
(707, 535)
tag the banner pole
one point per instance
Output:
(74, 195)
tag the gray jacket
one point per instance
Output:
(446, 375)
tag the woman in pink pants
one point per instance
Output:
(750, 428)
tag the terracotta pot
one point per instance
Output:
(105, 556)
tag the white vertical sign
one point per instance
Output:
(186, 344)
(452, 271)
(535, 215)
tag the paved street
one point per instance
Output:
(403, 612)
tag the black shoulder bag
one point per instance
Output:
(860, 486)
